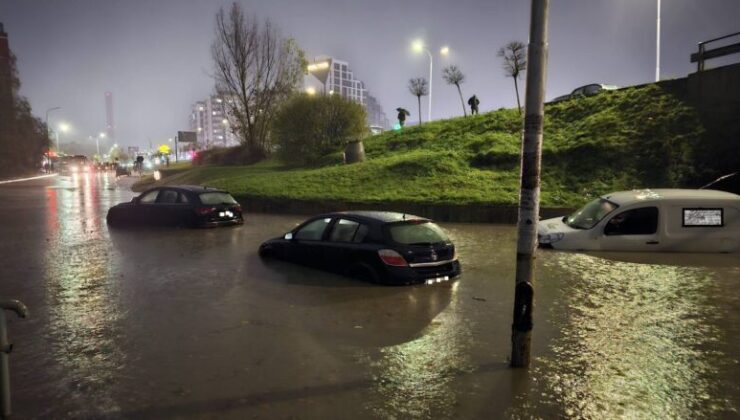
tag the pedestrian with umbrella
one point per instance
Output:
(402, 113)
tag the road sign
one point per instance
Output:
(187, 137)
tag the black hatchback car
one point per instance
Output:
(382, 247)
(182, 205)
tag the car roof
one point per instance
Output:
(378, 216)
(192, 188)
(627, 197)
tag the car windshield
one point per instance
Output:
(590, 214)
(217, 198)
(425, 233)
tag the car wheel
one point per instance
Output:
(363, 272)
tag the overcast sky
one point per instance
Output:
(154, 55)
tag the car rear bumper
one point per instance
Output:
(438, 273)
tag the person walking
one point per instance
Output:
(473, 102)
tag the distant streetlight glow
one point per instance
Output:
(63, 127)
(417, 46)
(444, 50)
(311, 90)
(224, 121)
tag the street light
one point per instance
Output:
(418, 46)
(311, 90)
(46, 120)
(100, 135)
(657, 46)
(63, 127)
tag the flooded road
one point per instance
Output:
(192, 323)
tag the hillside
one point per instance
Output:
(631, 138)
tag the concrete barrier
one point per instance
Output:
(474, 213)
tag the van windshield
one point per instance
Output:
(590, 214)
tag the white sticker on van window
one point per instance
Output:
(702, 217)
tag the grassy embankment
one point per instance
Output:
(639, 137)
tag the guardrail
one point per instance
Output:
(704, 54)
(5, 348)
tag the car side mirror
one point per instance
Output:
(288, 236)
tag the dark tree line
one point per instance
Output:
(23, 138)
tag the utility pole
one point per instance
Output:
(657, 46)
(529, 196)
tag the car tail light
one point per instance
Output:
(391, 257)
(204, 210)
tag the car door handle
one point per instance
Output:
(652, 242)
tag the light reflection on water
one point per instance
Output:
(80, 285)
(414, 378)
(635, 341)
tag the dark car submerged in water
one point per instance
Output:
(182, 205)
(381, 247)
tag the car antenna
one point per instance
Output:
(404, 216)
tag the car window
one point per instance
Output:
(361, 233)
(313, 231)
(642, 221)
(343, 231)
(216, 198)
(167, 197)
(183, 198)
(591, 90)
(417, 233)
(149, 197)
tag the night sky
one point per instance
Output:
(154, 55)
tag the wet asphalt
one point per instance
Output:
(179, 323)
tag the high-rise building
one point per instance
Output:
(341, 80)
(110, 127)
(210, 121)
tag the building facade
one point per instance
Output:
(341, 80)
(209, 120)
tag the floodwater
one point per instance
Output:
(192, 323)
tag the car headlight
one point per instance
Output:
(550, 237)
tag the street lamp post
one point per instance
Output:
(46, 121)
(63, 127)
(657, 46)
(101, 135)
(418, 46)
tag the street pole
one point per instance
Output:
(657, 46)
(46, 121)
(429, 115)
(529, 196)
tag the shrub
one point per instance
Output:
(309, 127)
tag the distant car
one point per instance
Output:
(587, 90)
(663, 220)
(382, 247)
(75, 164)
(183, 205)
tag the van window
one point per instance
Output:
(642, 221)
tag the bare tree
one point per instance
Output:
(515, 62)
(453, 76)
(419, 87)
(255, 70)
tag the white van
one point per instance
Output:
(668, 220)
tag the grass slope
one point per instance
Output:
(631, 138)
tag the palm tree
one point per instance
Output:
(419, 87)
(453, 76)
(515, 62)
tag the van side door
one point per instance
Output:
(636, 229)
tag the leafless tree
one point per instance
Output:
(515, 62)
(255, 70)
(453, 76)
(419, 87)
